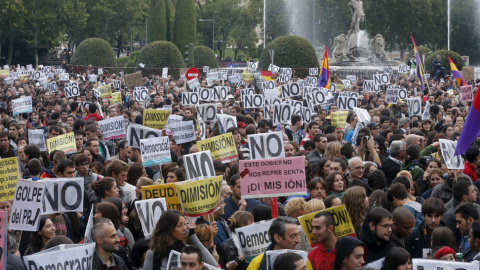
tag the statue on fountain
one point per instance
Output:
(378, 45)
(339, 48)
(358, 15)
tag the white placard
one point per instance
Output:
(137, 132)
(414, 106)
(208, 112)
(347, 84)
(165, 73)
(198, 165)
(271, 93)
(88, 229)
(273, 254)
(379, 79)
(423, 264)
(448, 154)
(362, 114)
(347, 101)
(193, 83)
(112, 128)
(369, 86)
(391, 95)
(36, 137)
(282, 114)
(226, 121)
(72, 90)
(71, 256)
(254, 101)
(266, 145)
(352, 78)
(27, 206)
(426, 112)
(258, 231)
(220, 93)
(140, 93)
(190, 98)
(22, 105)
(183, 132)
(313, 72)
(52, 87)
(63, 195)
(117, 84)
(402, 69)
(149, 212)
(155, 151)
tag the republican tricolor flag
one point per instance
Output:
(419, 66)
(456, 74)
(324, 76)
(471, 128)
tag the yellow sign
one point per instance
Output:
(247, 77)
(166, 191)
(343, 224)
(155, 118)
(199, 197)
(339, 119)
(116, 97)
(4, 72)
(64, 143)
(340, 87)
(9, 175)
(105, 92)
(222, 147)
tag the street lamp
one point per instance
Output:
(213, 30)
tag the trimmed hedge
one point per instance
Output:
(421, 50)
(290, 52)
(205, 56)
(185, 24)
(122, 61)
(160, 54)
(95, 52)
(157, 21)
(456, 58)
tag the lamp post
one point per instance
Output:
(213, 30)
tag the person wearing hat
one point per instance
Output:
(242, 127)
(445, 254)
(403, 111)
(373, 126)
(426, 126)
(349, 253)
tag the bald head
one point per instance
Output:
(401, 214)
(413, 139)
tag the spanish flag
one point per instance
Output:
(419, 66)
(324, 76)
(456, 74)
(267, 75)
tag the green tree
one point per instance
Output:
(74, 19)
(11, 21)
(160, 54)
(170, 12)
(185, 24)
(243, 36)
(277, 22)
(465, 29)
(95, 52)
(157, 20)
(204, 56)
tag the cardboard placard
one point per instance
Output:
(222, 147)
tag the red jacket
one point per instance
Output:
(470, 171)
(94, 115)
(321, 259)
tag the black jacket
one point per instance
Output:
(418, 240)
(227, 251)
(390, 168)
(374, 251)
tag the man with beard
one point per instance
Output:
(106, 239)
(376, 233)
(323, 229)
(419, 242)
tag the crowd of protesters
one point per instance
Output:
(402, 200)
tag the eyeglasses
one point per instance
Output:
(386, 226)
(358, 168)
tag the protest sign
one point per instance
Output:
(9, 174)
(347, 83)
(72, 90)
(347, 101)
(388, 69)
(402, 94)
(135, 79)
(468, 73)
(116, 97)
(27, 206)
(92, 78)
(140, 93)
(268, 85)
(88, 229)
(306, 114)
(155, 118)
(320, 97)
(391, 95)
(155, 151)
(289, 90)
(36, 137)
(137, 132)
(467, 93)
(422, 264)
(190, 98)
(173, 119)
(339, 119)
(426, 112)
(277, 177)
(448, 154)
(22, 105)
(183, 132)
(64, 77)
(313, 81)
(270, 93)
(402, 69)
(253, 239)
(64, 143)
(282, 114)
(193, 83)
(414, 106)
(285, 75)
(166, 191)
(112, 128)
(352, 78)
(272, 255)
(251, 91)
(200, 197)
(362, 114)
(198, 165)
(379, 79)
(105, 92)
(63, 195)
(52, 87)
(64, 256)
(343, 224)
(149, 212)
(226, 121)
(220, 93)
(313, 72)
(254, 101)
(221, 147)
(266, 145)
(3, 239)
(117, 84)
(360, 125)
(208, 112)
(204, 94)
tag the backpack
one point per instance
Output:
(418, 215)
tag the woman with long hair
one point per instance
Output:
(169, 234)
(39, 239)
(105, 188)
(432, 163)
(323, 168)
(397, 258)
(356, 201)
(228, 249)
(336, 184)
(332, 151)
(135, 171)
(434, 178)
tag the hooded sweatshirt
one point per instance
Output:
(343, 248)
